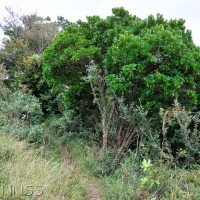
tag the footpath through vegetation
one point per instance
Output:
(93, 190)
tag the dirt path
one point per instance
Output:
(94, 192)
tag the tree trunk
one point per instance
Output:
(105, 134)
(129, 135)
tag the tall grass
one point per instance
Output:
(25, 174)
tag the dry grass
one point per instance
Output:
(26, 175)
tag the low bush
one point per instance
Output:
(19, 106)
(131, 181)
(21, 116)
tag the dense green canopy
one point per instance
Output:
(151, 60)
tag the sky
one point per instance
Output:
(79, 9)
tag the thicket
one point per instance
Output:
(128, 86)
(122, 71)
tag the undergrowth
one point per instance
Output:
(148, 171)
(134, 179)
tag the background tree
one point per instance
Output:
(62, 22)
(32, 29)
(27, 37)
(11, 25)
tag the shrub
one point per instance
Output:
(180, 136)
(131, 182)
(19, 106)
(20, 116)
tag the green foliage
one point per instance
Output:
(11, 54)
(65, 59)
(20, 107)
(154, 67)
(66, 125)
(80, 43)
(28, 79)
(148, 180)
(149, 61)
(20, 115)
(181, 135)
(20, 53)
(64, 66)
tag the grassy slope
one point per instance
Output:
(30, 174)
